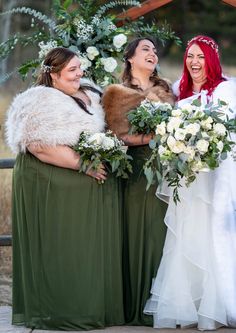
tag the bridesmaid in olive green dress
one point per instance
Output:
(67, 229)
(144, 228)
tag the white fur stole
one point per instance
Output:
(47, 116)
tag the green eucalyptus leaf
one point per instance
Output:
(149, 175)
(152, 144)
(159, 177)
(223, 155)
(196, 102)
(67, 3)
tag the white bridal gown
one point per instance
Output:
(196, 280)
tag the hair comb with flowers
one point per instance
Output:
(209, 42)
(46, 68)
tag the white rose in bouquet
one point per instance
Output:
(119, 41)
(173, 124)
(192, 128)
(175, 146)
(202, 146)
(197, 166)
(161, 150)
(219, 129)
(164, 138)
(97, 138)
(180, 134)
(92, 52)
(109, 64)
(207, 124)
(176, 113)
(190, 152)
(200, 166)
(161, 128)
(178, 148)
(108, 143)
(85, 63)
(171, 141)
(220, 145)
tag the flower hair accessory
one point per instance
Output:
(209, 42)
(46, 68)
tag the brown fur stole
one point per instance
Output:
(118, 100)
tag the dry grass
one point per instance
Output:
(5, 175)
(5, 208)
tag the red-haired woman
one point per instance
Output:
(196, 280)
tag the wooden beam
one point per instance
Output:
(146, 7)
(230, 2)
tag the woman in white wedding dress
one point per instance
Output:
(196, 281)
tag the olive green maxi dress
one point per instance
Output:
(67, 233)
(67, 241)
(144, 236)
(144, 227)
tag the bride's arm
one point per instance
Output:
(64, 157)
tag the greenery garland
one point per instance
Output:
(89, 31)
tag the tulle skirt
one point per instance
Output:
(196, 280)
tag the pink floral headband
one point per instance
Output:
(211, 43)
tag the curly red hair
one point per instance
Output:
(212, 66)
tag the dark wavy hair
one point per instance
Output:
(54, 62)
(127, 73)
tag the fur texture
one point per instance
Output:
(118, 100)
(47, 116)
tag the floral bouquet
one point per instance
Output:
(189, 141)
(148, 115)
(98, 148)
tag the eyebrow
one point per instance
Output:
(189, 53)
(150, 47)
(72, 67)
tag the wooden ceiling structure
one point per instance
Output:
(149, 5)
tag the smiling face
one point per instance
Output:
(145, 56)
(195, 63)
(68, 80)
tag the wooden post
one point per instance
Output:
(7, 163)
(146, 7)
(6, 240)
(230, 2)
